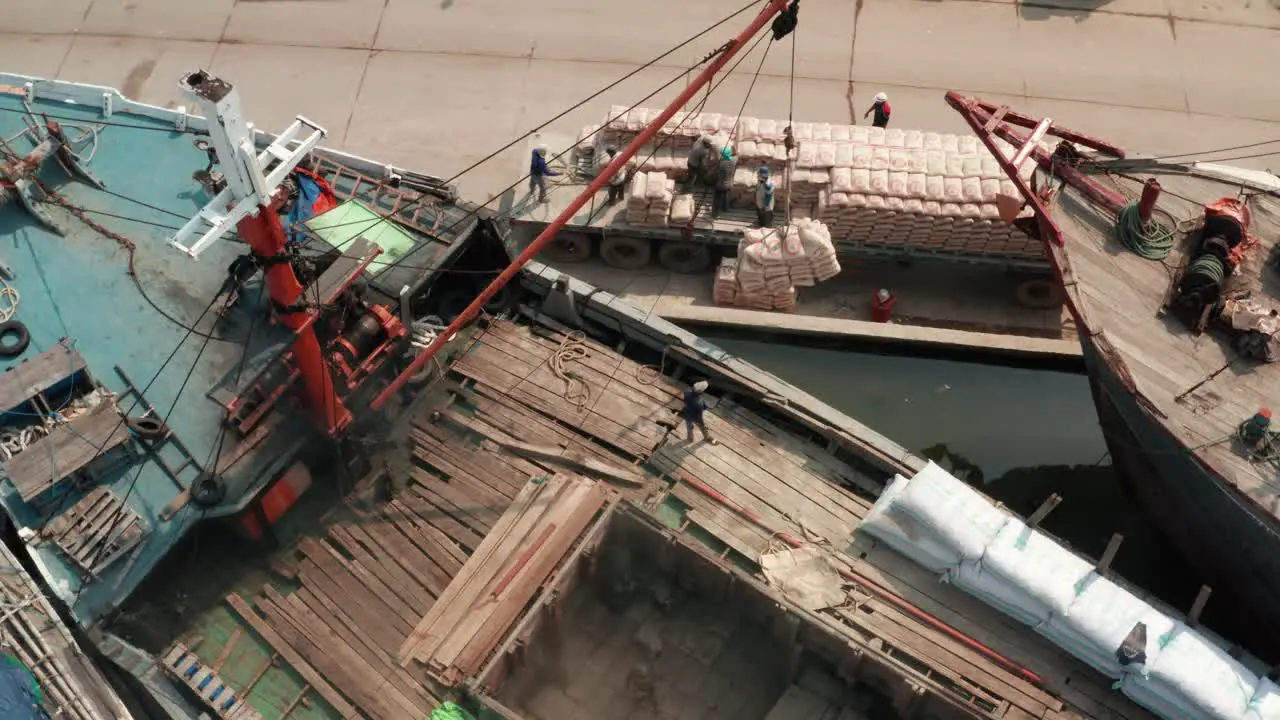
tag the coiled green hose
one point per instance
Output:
(1152, 242)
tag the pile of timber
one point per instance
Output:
(467, 623)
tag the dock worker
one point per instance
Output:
(694, 406)
(617, 183)
(881, 108)
(698, 157)
(539, 171)
(764, 197)
(724, 181)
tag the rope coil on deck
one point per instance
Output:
(573, 348)
(1150, 241)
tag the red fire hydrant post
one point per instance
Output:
(882, 305)
(1150, 194)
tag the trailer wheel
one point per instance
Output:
(626, 253)
(568, 247)
(689, 258)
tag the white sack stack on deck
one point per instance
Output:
(474, 614)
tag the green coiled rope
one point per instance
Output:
(1209, 266)
(1152, 241)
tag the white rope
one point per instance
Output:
(9, 299)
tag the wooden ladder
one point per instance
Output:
(403, 208)
(153, 446)
(202, 680)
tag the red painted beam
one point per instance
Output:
(1026, 121)
(548, 234)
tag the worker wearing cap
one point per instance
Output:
(724, 181)
(617, 183)
(693, 411)
(539, 171)
(764, 198)
(881, 108)
(698, 157)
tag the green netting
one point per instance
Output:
(450, 711)
(342, 225)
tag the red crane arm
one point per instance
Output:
(547, 235)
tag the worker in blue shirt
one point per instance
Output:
(539, 171)
(694, 407)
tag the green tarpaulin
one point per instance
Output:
(450, 711)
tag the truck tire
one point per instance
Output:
(568, 247)
(626, 253)
(689, 258)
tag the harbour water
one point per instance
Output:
(1022, 434)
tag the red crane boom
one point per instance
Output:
(547, 235)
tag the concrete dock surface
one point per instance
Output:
(435, 85)
(956, 309)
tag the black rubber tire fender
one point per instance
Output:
(147, 427)
(1039, 294)
(500, 301)
(22, 338)
(207, 491)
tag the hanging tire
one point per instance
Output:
(1039, 294)
(147, 428)
(568, 247)
(14, 338)
(452, 303)
(626, 253)
(208, 490)
(689, 258)
(501, 300)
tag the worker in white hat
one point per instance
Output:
(693, 410)
(881, 108)
(539, 171)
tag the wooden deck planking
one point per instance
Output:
(609, 419)
(749, 477)
(66, 450)
(1064, 676)
(332, 658)
(364, 586)
(523, 423)
(787, 459)
(812, 459)
(620, 409)
(1120, 294)
(599, 366)
(983, 678)
(38, 374)
(809, 482)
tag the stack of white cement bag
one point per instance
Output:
(682, 208)
(930, 190)
(950, 528)
(772, 263)
(649, 199)
(870, 185)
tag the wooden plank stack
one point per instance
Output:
(466, 624)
